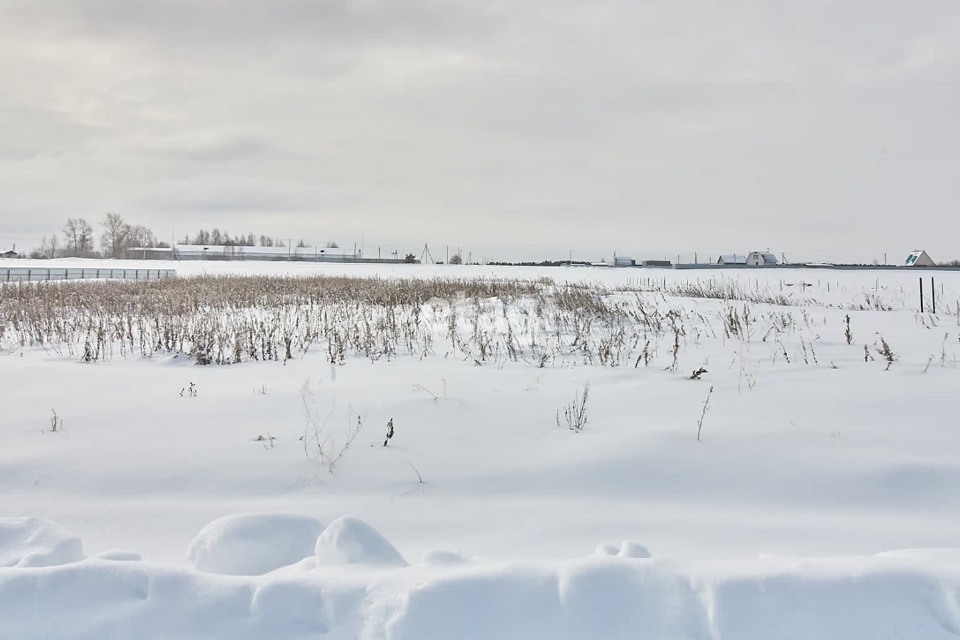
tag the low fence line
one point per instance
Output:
(42, 275)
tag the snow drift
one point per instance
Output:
(906, 594)
(252, 544)
(350, 540)
(31, 542)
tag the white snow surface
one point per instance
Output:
(821, 502)
(910, 594)
(120, 555)
(252, 544)
(31, 542)
(349, 540)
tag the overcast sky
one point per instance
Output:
(825, 129)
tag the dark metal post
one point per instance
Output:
(933, 294)
(921, 294)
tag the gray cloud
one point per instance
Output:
(824, 129)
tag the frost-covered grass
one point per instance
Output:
(824, 439)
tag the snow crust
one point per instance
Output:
(252, 544)
(630, 549)
(902, 594)
(443, 558)
(120, 555)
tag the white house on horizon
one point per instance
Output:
(761, 259)
(919, 258)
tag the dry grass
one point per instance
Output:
(233, 319)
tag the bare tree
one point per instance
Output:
(53, 250)
(70, 237)
(84, 237)
(332, 245)
(140, 236)
(48, 248)
(114, 236)
(78, 236)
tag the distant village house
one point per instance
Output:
(761, 259)
(919, 258)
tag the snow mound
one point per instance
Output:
(253, 544)
(350, 540)
(607, 549)
(441, 558)
(120, 555)
(633, 550)
(628, 549)
(906, 595)
(31, 542)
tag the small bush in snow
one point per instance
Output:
(317, 443)
(887, 354)
(56, 424)
(575, 413)
(706, 405)
(389, 432)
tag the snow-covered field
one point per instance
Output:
(821, 502)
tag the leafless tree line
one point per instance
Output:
(116, 236)
(78, 240)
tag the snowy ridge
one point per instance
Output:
(907, 594)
